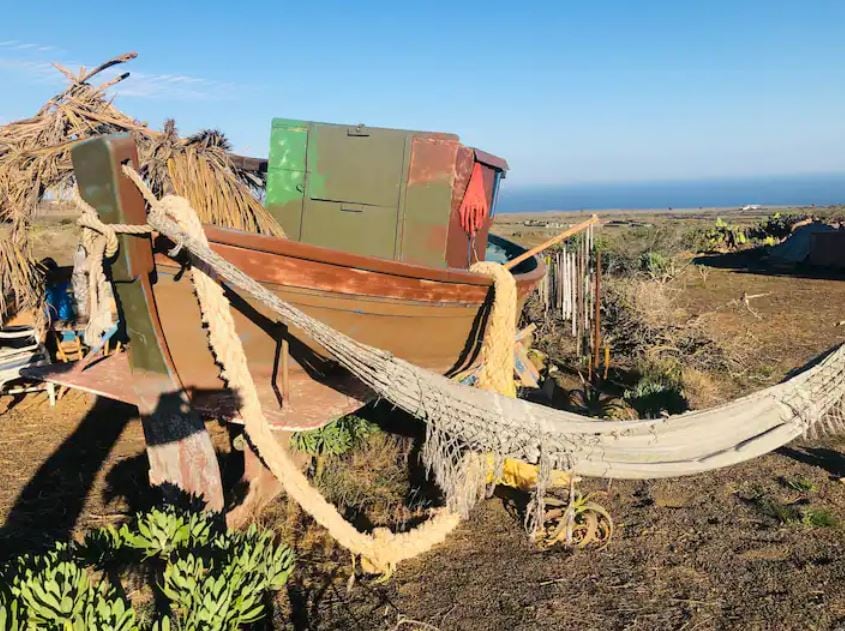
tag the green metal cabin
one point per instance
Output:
(390, 193)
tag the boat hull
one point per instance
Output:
(433, 318)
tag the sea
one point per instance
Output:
(792, 190)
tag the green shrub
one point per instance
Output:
(334, 439)
(657, 264)
(819, 518)
(658, 390)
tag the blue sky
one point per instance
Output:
(568, 92)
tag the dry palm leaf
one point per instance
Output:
(35, 159)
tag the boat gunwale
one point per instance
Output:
(296, 249)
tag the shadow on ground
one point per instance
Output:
(48, 506)
(756, 261)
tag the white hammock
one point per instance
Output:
(459, 417)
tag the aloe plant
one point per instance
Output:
(335, 438)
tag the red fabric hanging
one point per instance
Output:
(474, 209)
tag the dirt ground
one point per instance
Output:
(719, 550)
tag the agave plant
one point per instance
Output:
(54, 591)
(580, 522)
(590, 400)
(227, 590)
(160, 531)
(334, 439)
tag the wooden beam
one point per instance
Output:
(182, 458)
(550, 242)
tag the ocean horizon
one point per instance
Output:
(790, 190)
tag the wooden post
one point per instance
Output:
(181, 456)
(597, 314)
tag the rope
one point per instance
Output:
(497, 362)
(379, 551)
(99, 241)
(469, 419)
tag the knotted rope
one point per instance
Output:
(379, 551)
(100, 242)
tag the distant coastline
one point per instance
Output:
(770, 192)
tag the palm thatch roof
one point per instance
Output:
(35, 158)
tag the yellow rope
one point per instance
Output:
(497, 362)
(380, 550)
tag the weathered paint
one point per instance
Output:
(428, 201)
(381, 192)
(179, 449)
(285, 188)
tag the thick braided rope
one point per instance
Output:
(497, 362)
(379, 552)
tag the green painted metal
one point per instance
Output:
(94, 167)
(373, 191)
(352, 190)
(356, 228)
(286, 174)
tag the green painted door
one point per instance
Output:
(353, 189)
(286, 176)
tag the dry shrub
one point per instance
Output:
(643, 323)
(700, 389)
(372, 483)
(20, 280)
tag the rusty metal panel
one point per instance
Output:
(428, 195)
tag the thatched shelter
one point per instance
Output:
(35, 159)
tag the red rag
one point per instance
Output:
(474, 209)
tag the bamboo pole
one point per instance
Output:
(556, 239)
(597, 314)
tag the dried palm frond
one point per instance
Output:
(198, 169)
(35, 158)
(20, 280)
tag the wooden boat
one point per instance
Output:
(431, 316)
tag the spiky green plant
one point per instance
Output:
(209, 578)
(226, 590)
(53, 591)
(160, 531)
(335, 438)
